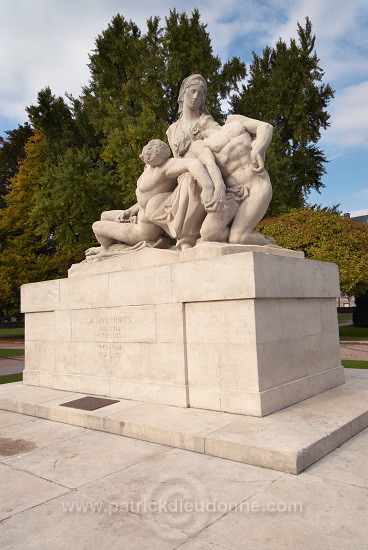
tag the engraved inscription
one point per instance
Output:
(109, 329)
(235, 250)
(108, 332)
(109, 350)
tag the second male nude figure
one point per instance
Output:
(230, 151)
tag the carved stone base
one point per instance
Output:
(209, 327)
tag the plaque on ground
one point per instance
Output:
(89, 403)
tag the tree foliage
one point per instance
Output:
(327, 237)
(24, 256)
(285, 88)
(12, 152)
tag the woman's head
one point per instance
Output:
(195, 83)
(155, 152)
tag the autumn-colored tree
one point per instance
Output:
(24, 256)
(12, 151)
(327, 237)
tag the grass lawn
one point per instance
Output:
(353, 333)
(11, 332)
(11, 378)
(11, 352)
(349, 364)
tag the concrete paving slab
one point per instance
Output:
(94, 419)
(294, 438)
(296, 512)
(289, 440)
(211, 485)
(11, 365)
(15, 369)
(282, 511)
(66, 462)
(18, 397)
(347, 463)
(354, 373)
(21, 490)
(9, 418)
(198, 544)
(175, 426)
(364, 375)
(42, 432)
(73, 521)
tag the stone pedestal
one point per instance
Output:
(239, 329)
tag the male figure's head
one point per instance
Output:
(155, 152)
(206, 126)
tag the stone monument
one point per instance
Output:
(224, 319)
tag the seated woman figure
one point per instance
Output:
(228, 151)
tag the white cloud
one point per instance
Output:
(349, 117)
(341, 42)
(46, 42)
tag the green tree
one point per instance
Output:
(285, 88)
(75, 183)
(12, 151)
(94, 141)
(135, 80)
(328, 237)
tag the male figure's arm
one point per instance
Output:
(206, 157)
(263, 132)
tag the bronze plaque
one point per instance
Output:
(89, 403)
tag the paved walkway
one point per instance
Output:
(11, 365)
(65, 487)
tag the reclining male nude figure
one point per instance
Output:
(147, 219)
(230, 151)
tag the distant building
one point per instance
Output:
(359, 219)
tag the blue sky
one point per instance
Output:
(46, 43)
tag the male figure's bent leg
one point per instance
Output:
(250, 213)
(109, 232)
(215, 227)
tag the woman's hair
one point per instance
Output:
(185, 84)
